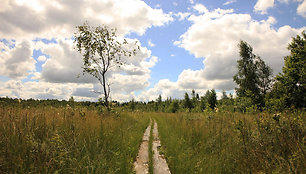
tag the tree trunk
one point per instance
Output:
(105, 92)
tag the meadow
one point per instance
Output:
(233, 142)
(68, 140)
(80, 139)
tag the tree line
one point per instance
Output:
(257, 89)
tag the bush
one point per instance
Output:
(275, 104)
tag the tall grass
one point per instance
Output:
(233, 143)
(68, 140)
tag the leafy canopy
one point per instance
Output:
(291, 83)
(253, 77)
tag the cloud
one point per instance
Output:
(301, 10)
(47, 90)
(37, 90)
(17, 62)
(271, 20)
(63, 65)
(200, 8)
(263, 5)
(57, 19)
(214, 36)
(42, 58)
(165, 88)
(150, 43)
(182, 15)
(229, 2)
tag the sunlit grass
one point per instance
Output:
(233, 143)
(68, 140)
(81, 140)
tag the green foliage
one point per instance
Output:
(174, 106)
(159, 99)
(253, 77)
(211, 98)
(187, 102)
(132, 105)
(275, 104)
(226, 104)
(246, 77)
(203, 102)
(242, 104)
(291, 83)
(264, 73)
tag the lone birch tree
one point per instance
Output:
(102, 51)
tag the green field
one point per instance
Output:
(67, 140)
(46, 139)
(233, 143)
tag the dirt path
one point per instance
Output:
(141, 165)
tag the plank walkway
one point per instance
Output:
(141, 165)
(160, 165)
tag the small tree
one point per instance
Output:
(212, 99)
(71, 101)
(194, 98)
(224, 95)
(132, 104)
(174, 106)
(203, 102)
(187, 102)
(101, 51)
(159, 99)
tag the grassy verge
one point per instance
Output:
(66, 140)
(233, 143)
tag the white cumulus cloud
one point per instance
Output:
(54, 19)
(215, 35)
(262, 6)
(301, 10)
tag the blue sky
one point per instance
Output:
(185, 44)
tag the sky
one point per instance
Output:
(184, 45)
